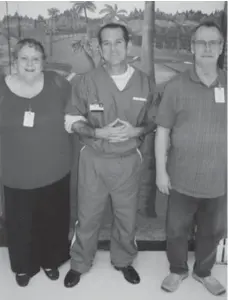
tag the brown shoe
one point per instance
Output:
(172, 282)
(211, 284)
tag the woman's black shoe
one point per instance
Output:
(53, 274)
(22, 279)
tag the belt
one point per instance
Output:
(112, 155)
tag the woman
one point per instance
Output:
(36, 160)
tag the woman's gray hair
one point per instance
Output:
(31, 43)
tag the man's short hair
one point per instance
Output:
(114, 26)
(209, 24)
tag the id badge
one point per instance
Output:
(99, 107)
(29, 117)
(219, 95)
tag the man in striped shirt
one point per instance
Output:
(190, 151)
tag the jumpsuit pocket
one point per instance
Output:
(82, 148)
(82, 152)
(140, 155)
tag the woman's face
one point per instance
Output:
(29, 63)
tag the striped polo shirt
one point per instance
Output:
(197, 157)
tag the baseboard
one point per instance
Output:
(3, 242)
(144, 245)
(105, 244)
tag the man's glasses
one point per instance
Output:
(211, 44)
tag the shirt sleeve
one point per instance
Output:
(152, 105)
(77, 105)
(69, 120)
(166, 112)
(61, 85)
(149, 111)
(66, 91)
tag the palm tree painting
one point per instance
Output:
(82, 7)
(53, 13)
(113, 14)
(180, 29)
(85, 46)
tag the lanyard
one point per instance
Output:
(30, 105)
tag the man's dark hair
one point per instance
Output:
(114, 26)
(209, 24)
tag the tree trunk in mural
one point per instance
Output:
(148, 38)
(87, 24)
(51, 37)
(2, 206)
(89, 59)
(148, 185)
(178, 40)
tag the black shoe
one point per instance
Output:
(22, 279)
(72, 278)
(130, 274)
(52, 274)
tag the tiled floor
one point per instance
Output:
(105, 283)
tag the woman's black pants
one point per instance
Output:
(37, 224)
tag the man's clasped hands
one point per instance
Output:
(117, 131)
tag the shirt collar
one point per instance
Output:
(104, 69)
(219, 81)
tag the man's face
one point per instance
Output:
(113, 46)
(207, 45)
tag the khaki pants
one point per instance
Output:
(99, 178)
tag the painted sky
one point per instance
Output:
(34, 8)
